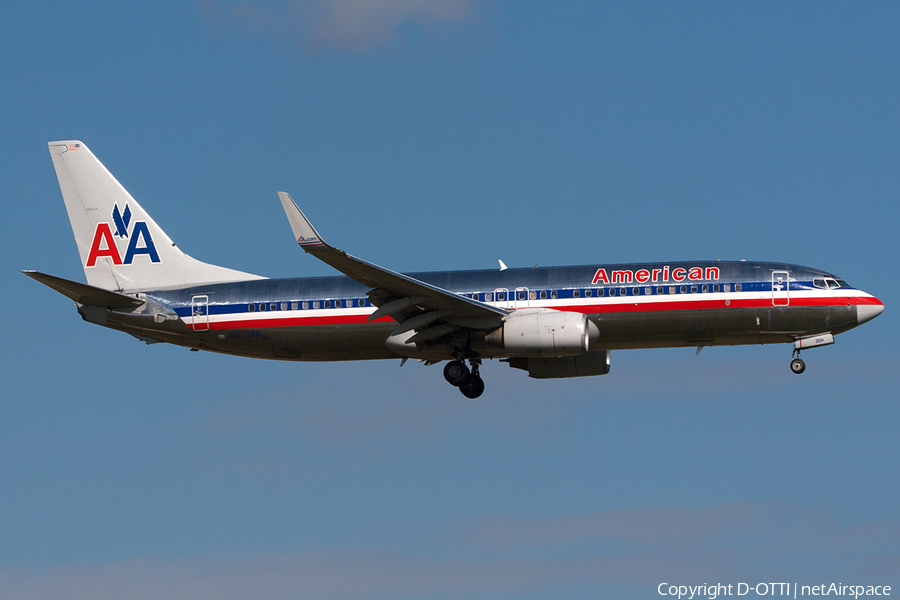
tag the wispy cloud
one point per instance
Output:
(340, 575)
(732, 539)
(344, 24)
(324, 575)
(500, 556)
(654, 526)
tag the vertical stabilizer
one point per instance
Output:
(121, 246)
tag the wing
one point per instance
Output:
(432, 311)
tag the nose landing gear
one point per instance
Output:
(797, 364)
(468, 381)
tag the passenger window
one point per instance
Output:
(532, 295)
(315, 304)
(487, 297)
(693, 289)
(501, 296)
(553, 294)
(305, 305)
(273, 306)
(648, 291)
(716, 287)
(684, 289)
(659, 291)
(737, 287)
(705, 288)
(284, 306)
(727, 287)
(262, 307)
(588, 293)
(251, 308)
(671, 289)
(576, 294)
(543, 295)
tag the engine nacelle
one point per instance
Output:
(583, 365)
(544, 332)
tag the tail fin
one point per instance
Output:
(121, 246)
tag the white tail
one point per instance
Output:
(121, 246)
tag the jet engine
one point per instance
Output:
(544, 333)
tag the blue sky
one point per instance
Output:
(445, 134)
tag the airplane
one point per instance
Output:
(552, 322)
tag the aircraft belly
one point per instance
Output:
(333, 342)
(733, 326)
(310, 343)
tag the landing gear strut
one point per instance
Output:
(468, 381)
(472, 386)
(797, 364)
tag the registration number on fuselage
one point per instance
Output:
(245, 333)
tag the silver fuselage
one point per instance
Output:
(652, 305)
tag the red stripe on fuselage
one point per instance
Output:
(295, 322)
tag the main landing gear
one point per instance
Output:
(797, 364)
(469, 382)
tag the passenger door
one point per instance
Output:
(200, 313)
(781, 294)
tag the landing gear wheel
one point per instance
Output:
(472, 386)
(455, 372)
(798, 366)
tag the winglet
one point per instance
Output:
(305, 234)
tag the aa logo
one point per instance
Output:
(139, 240)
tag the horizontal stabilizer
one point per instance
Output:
(84, 294)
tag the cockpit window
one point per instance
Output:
(832, 284)
(820, 283)
(843, 283)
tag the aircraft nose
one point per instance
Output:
(867, 312)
